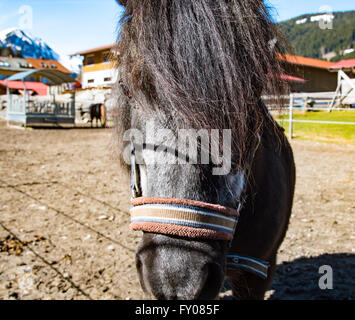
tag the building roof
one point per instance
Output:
(47, 64)
(55, 76)
(309, 62)
(24, 64)
(39, 87)
(344, 64)
(102, 48)
(14, 64)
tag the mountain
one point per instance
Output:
(24, 44)
(310, 37)
(30, 47)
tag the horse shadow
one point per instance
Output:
(299, 279)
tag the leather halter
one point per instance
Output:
(189, 218)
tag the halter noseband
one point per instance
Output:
(184, 218)
(188, 218)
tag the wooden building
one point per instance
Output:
(316, 74)
(303, 74)
(98, 68)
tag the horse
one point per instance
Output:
(98, 112)
(201, 67)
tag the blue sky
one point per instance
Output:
(73, 25)
(287, 9)
(67, 26)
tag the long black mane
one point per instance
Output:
(205, 62)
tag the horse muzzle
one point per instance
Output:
(175, 268)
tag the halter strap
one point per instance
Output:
(253, 265)
(182, 217)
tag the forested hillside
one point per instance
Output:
(309, 39)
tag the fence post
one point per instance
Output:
(305, 104)
(8, 105)
(291, 116)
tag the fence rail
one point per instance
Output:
(304, 98)
(318, 121)
(312, 100)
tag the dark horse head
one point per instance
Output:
(197, 69)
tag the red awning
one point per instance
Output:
(291, 78)
(39, 87)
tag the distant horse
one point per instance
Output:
(202, 66)
(98, 112)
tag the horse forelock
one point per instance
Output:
(205, 63)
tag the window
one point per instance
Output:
(90, 59)
(108, 79)
(25, 65)
(91, 81)
(53, 66)
(44, 65)
(4, 64)
(106, 57)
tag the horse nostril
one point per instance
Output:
(139, 263)
(139, 267)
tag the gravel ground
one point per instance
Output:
(64, 220)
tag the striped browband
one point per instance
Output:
(184, 218)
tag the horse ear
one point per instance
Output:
(122, 2)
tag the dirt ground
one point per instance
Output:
(64, 221)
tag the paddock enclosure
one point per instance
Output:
(28, 111)
(64, 221)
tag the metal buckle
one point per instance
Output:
(235, 260)
(135, 179)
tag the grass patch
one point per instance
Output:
(331, 133)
